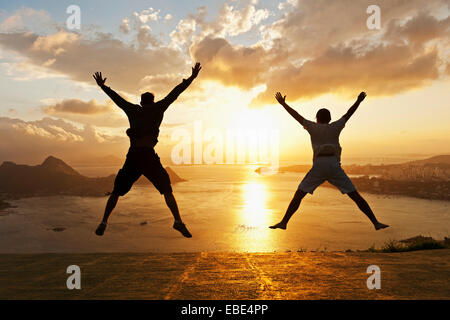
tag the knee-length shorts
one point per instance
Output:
(326, 169)
(142, 161)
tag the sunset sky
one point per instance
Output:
(319, 53)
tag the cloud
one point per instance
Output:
(138, 25)
(87, 112)
(78, 57)
(285, 5)
(344, 71)
(32, 141)
(320, 47)
(145, 37)
(161, 83)
(22, 71)
(183, 32)
(24, 18)
(233, 22)
(314, 47)
(231, 65)
(147, 15)
(125, 26)
(419, 29)
(78, 106)
(54, 44)
(230, 22)
(139, 19)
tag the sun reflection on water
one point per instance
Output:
(254, 218)
(255, 198)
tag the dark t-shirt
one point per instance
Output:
(145, 121)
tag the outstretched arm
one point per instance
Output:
(118, 100)
(355, 106)
(173, 95)
(292, 112)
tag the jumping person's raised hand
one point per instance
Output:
(280, 98)
(196, 69)
(362, 96)
(292, 112)
(355, 106)
(98, 78)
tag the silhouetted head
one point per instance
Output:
(323, 116)
(147, 99)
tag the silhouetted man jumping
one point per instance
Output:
(142, 159)
(326, 160)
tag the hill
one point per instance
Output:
(431, 169)
(55, 177)
(442, 159)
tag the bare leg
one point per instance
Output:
(365, 208)
(110, 205)
(178, 224)
(292, 208)
(172, 204)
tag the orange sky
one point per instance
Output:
(318, 53)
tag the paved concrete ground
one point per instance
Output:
(293, 275)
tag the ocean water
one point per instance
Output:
(226, 208)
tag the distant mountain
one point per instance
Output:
(57, 165)
(442, 159)
(174, 178)
(55, 177)
(52, 177)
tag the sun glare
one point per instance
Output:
(254, 210)
(253, 119)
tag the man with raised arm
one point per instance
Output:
(142, 159)
(326, 160)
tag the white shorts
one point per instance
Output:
(326, 169)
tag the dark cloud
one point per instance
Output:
(78, 106)
(88, 112)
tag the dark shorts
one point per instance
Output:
(142, 161)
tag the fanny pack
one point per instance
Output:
(138, 133)
(325, 150)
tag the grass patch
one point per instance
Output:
(412, 244)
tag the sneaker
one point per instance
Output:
(180, 226)
(100, 229)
